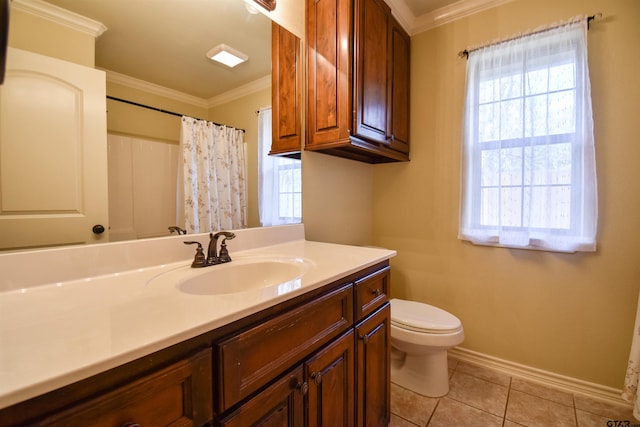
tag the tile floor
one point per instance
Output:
(483, 397)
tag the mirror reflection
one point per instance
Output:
(154, 54)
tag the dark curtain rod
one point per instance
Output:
(162, 111)
(465, 52)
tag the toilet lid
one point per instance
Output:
(422, 317)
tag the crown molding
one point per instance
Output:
(131, 82)
(60, 16)
(402, 13)
(240, 91)
(452, 12)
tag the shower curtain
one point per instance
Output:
(213, 192)
(630, 390)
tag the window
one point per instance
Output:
(528, 153)
(289, 190)
(280, 180)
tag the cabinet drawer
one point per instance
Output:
(252, 358)
(180, 394)
(371, 292)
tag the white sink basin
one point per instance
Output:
(240, 275)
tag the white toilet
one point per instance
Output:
(421, 334)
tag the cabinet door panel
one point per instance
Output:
(399, 69)
(371, 97)
(285, 92)
(331, 384)
(281, 404)
(329, 71)
(374, 369)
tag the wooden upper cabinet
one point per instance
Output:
(328, 73)
(372, 72)
(399, 70)
(285, 93)
(358, 81)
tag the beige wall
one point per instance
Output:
(336, 199)
(50, 39)
(569, 314)
(132, 120)
(290, 15)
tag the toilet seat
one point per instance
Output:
(425, 318)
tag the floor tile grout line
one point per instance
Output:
(526, 392)
(434, 411)
(506, 404)
(471, 406)
(575, 411)
(409, 421)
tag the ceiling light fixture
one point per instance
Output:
(227, 55)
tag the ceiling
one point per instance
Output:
(164, 42)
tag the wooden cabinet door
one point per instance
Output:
(371, 97)
(285, 92)
(328, 72)
(330, 374)
(399, 74)
(280, 404)
(374, 369)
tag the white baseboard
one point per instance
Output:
(546, 378)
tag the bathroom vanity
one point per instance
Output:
(313, 350)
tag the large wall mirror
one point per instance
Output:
(154, 54)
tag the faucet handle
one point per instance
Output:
(177, 230)
(224, 252)
(223, 256)
(199, 260)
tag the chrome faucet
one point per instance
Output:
(213, 257)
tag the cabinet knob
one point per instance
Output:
(316, 377)
(303, 387)
(364, 338)
(376, 292)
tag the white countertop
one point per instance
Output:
(54, 334)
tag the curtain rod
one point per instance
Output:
(137, 104)
(465, 53)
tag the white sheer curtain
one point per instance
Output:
(528, 161)
(213, 191)
(279, 195)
